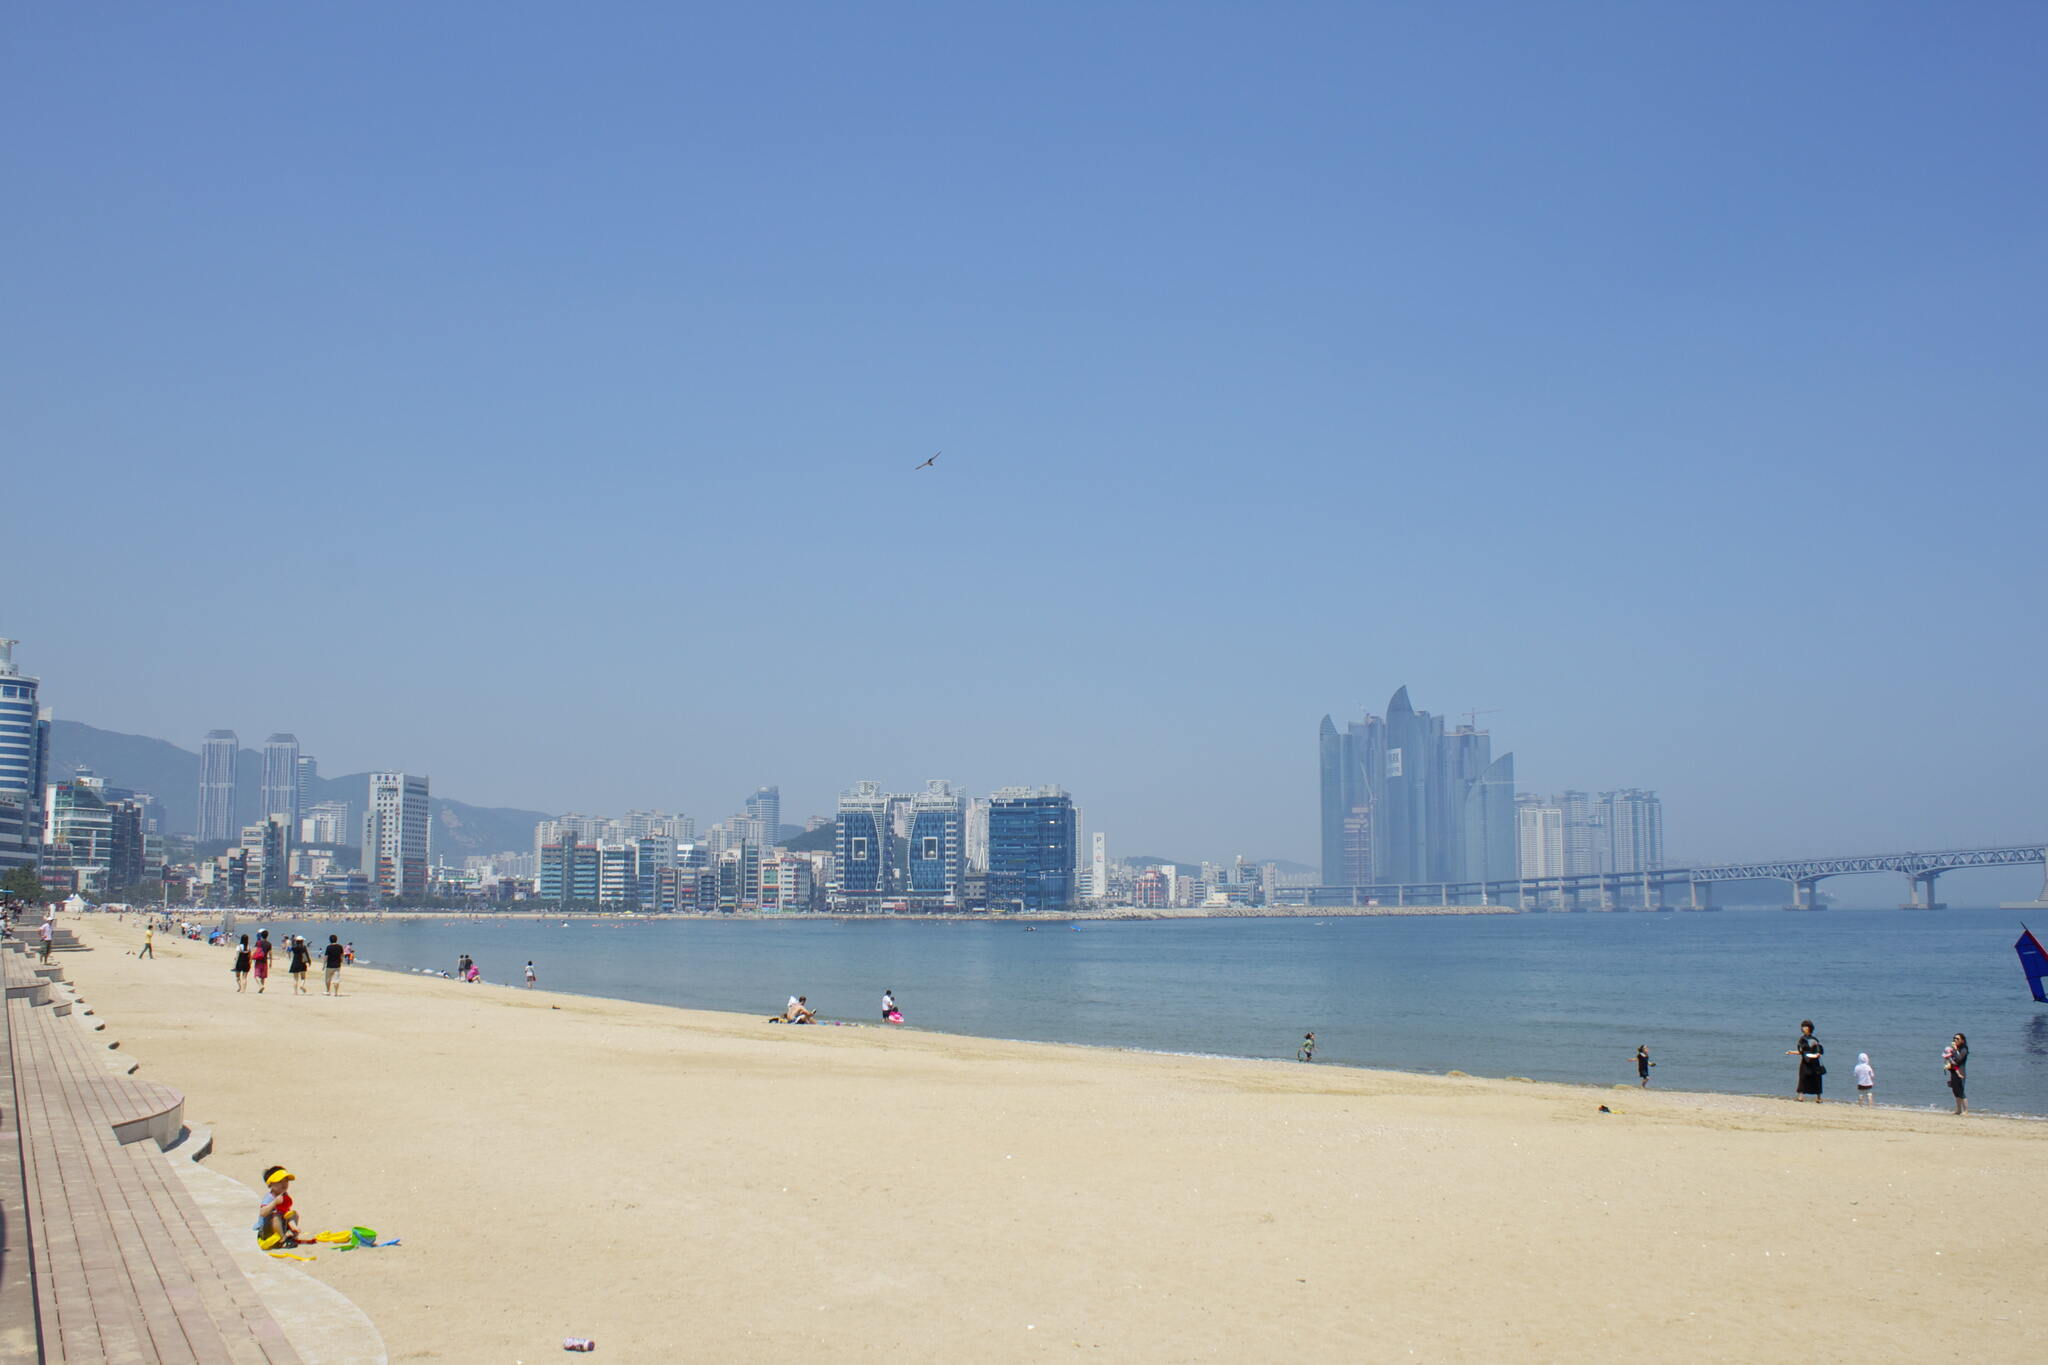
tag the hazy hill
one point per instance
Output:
(817, 840)
(171, 775)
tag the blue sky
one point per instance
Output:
(527, 394)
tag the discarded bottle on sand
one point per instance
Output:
(578, 1344)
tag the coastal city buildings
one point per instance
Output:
(1404, 800)
(395, 836)
(24, 747)
(218, 756)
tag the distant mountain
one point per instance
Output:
(171, 775)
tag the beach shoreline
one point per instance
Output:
(574, 1165)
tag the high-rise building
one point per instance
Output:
(304, 780)
(217, 759)
(1634, 821)
(1031, 850)
(78, 833)
(937, 847)
(1098, 867)
(764, 807)
(24, 750)
(281, 779)
(395, 835)
(1404, 801)
(568, 871)
(266, 859)
(323, 822)
(862, 847)
(1539, 837)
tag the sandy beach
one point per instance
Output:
(683, 1185)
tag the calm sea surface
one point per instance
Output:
(1718, 997)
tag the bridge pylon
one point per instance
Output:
(1923, 890)
(1802, 893)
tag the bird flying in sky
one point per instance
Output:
(934, 459)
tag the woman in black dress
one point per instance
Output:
(242, 965)
(1953, 1059)
(1808, 1051)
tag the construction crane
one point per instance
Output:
(1472, 717)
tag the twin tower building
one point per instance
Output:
(1407, 801)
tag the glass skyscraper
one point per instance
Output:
(24, 752)
(938, 845)
(217, 759)
(1030, 850)
(861, 847)
(1404, 801)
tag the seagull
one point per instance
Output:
(934, 459)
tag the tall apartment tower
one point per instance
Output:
(1539, 837)
(1030, 849)
(1098, 866)
(281, 779)
(764, 807)
(395, 836)
(937, 850)
(217, 758)
(24, 749)
(306, 773)
(1405, 801)
(1635, 829)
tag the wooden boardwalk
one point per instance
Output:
(122, 1266)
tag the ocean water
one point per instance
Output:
(1718, 997)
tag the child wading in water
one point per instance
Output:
(277, 1222)
(1866, 1080)
(1643, 1064)
(1307, 1051)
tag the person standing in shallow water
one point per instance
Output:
(1643, 1064)
(1953, 1058)
(1808, 1050)
(1307, 1051)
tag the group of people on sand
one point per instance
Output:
(799, 1011)
(255, 957)
(1955, 1060)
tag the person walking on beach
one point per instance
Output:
(1954, 1058)
(1808, 1050)
(49, 932)
(348, 953)
(330, 975)
(301, 963)
(1866, 1080)
(1643, 1065)
(529, 975)
(148, 942)
(242, 965)
(1307, 1051)
(259, 960)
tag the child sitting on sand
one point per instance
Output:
(277, 1222)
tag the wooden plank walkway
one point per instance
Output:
(126, 1268)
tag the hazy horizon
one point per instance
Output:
(531, 399)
